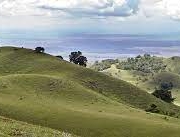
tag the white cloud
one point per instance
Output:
(74, 7)
(171, 8)
(20, 8)
(44, 12)
(163, 8)
(120, 8)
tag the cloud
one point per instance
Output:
(90, 8)
(118, 8)
(73, 7)
(81, 12)
(20, 8)
(161, 8)
(171, 8)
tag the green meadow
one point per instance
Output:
(47, 96)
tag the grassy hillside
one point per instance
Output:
(146, 72)
(173, 64)
(43, 90)
(12, 128)
(167, 77)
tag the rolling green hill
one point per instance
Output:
(41, 89)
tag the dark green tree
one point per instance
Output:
(74, 56)
(77, 58)
(164, 93)
(39, 49)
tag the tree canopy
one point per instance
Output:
(77, 58)
(39, 49)
(164, 92)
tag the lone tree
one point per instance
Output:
(39, 49)
(77, 58)
(164, 93)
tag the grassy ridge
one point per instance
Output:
(43, 90)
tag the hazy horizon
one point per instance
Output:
(119, 28)
(97, 46)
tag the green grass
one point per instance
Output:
(166, 77)
(12, 128)
(43, 90)
(173, 64)
(149, 82)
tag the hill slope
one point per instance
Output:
(43, 90)
(145, 72)
(12, 128)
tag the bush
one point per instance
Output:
(104, 64)
(164, 92)
(166, 86)
(153, 109)
(39, 49)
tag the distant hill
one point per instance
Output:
(146, 72)
(173, 64)
(41, 89)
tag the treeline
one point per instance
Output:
(74, 57)
(145, 64)
(104, 64)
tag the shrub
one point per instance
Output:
(153, 109)
(39, 49)
(104, 64)
(164, 93)
(166, 86)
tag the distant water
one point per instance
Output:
(98, 47)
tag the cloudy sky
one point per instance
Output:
(92, 16)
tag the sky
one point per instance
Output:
(92, 16)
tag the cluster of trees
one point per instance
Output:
(164, 93)
(74, 57)
(145, 63)
(78, 58)
(104, 64)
